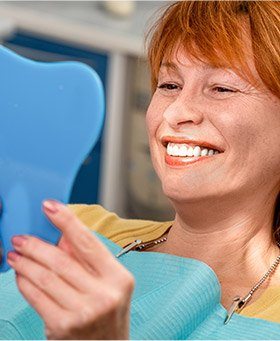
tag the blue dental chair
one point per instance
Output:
(51, 115)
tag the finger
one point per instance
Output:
(54, 259)
(65, 246)
(46, 281)
(60, 293)
(61, 323)
(45, 306)
(86, 245)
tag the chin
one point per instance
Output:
(186, 188)
(182, 194)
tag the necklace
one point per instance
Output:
(238, 303)
(138, 245)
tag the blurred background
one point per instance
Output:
(108, 36)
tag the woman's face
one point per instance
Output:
(202, 107)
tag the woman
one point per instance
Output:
(214, 128)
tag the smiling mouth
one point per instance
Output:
(182, 154)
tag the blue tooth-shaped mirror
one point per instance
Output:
(51, 115)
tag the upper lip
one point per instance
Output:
(175, 139)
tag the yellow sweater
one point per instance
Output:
(125, 231)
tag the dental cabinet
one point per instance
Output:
(117, 173)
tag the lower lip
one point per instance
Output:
(177, 161)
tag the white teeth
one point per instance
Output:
(190, 151)
(169, 149)
(204, 152)
(183, 150)
(176, 150)
(196, 151)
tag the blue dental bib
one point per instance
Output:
(175, 298)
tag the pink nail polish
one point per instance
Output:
(51, 206)
(13, 256)
(18, 241)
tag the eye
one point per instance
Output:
(222, 89)
(169, 86)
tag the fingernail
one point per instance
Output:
(13, 256)
(18, 240)
(51, 206)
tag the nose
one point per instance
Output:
(179, 114)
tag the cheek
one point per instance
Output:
(253, 136)
(153, 118)
(154, 124)
(250, 125)
(150, 124)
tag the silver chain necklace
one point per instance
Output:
(238, 303)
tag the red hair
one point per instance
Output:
(213, 31)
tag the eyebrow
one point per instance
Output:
(169, 65)
(174, 67)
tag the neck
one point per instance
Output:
(235, 242)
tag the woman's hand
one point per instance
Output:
(80, 290)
